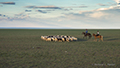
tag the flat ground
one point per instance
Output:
(23, 48)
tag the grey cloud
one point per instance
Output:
(82, 6)
(76, 7)
(66, 9)
(41, 11)
(54, 7)
(83, 14)
(102, 4)
(72, 7)
(21, 15)
(50, 10)
(45, 11)
(75, 14)
(9, 3)
(112, 10)
(45, 7)
(108, 4)
(28, 10)
(30, 6)
(118, 3)
(2, 15)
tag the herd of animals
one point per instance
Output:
(60, 38)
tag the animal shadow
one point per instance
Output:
(108, 38)
(113, 39)
(79, 39)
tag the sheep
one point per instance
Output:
(55, 39)
(52, 39)
(65, 36)
(71, 39)
(48, 39)
(67, 39)
(44, 37)
(75, 39)
(60, 38)
(63, 39)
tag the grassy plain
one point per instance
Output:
(23, 48)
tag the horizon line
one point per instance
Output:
(60, 28)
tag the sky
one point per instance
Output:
(75, 14)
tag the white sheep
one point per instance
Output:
(71, 39)
(63, 39)
(48, 39)
(44, 37)
(55, 39)
(75, 39)
(67, 39)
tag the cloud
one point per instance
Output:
(66, 9)
(112, 8)
(76, 7)
(54, 7)
(98, 14)
(99, 18)
(102, 4)
(117, 1)
(50, 10)
(41, 11)
(9, 3)
(72, 7)
(3, 15)
(86, 19)
(108, 17)
(83, 6)
(19, 16)
(101, 12)
(45, 7)
(28, 10)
